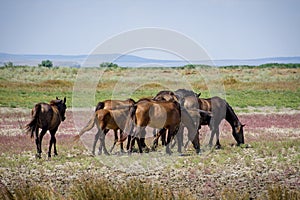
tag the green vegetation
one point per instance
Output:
(266, 85)
(109, 65)
(46, 63)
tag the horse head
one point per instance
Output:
(239, 133)
(61, 106)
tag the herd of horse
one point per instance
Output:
(168, 113)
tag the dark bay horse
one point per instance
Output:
(47, 117)
(220, 110)
(106, 119)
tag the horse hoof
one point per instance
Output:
(198, 151)
(218, 147)
(169, 152)
(38, 156)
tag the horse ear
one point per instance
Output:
(198, 95)
(57, 98)
(65, 100)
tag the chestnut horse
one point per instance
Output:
(112, 105)
(106, 119)
(47, 117)
(189, 103)
(160, 115)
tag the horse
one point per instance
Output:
(106, 119)
(220, 110)
(188, 101)
(114, 104)
(47, 117)
(160, 114)
(204, 119)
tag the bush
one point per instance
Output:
(46, 63)
(109, 65)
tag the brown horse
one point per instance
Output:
(219, 109)
(189, 104)
(47, 117)
(160, 115)
(114, 104)
(106, 119)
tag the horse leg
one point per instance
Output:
(195, 140)
(179, 137)
(95, 142)
(143, 140)
(218, 145)
(212, 135)
(163, 136)
(128, 142)
(170, 134)
(39, 141)
(115, 140)
(156, 137)
(52, 142)
(136, 133)
(102, 142)
(121, 144)
(196, 144)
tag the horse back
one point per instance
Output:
(157, 114)
(117, 104)
(48, 116)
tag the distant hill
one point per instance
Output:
(129, 60)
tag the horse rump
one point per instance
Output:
(32, 125)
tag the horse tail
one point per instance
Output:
(132, 111)
(99, 106)
(129, 124)
(88, 127)
(32, 125)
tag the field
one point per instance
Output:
(265, 98)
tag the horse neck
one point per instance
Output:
(231, 117)
(56, 110)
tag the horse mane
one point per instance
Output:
(164, 92)
(130, 99)
(144, 99)
(185, 93)
(55, 102)
(230, 114)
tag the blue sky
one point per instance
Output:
(226, 29)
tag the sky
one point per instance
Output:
(225, 29)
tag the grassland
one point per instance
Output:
(267, 170)
(242, 87)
